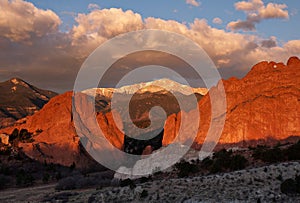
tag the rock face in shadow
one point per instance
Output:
(138, 146)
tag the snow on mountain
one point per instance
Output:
(160, 85)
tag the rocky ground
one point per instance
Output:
(249, 185)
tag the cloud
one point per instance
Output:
(99, 25)
(256, 12)
(269, 43)
(193, 2)
(53, 58)
(248, 25)
(217, 21)
(21, 21)
(249, 5)
(274, 11)
(93, 6)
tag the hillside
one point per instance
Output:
(19, 99)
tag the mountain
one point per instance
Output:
(150, 87)
(261, 106)
(19, 99)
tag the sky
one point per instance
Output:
(45, 42)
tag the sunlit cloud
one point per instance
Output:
(22, 21)
(218, 21)
(193, 2)
(256, 12)
(35, 49)
(93, 6)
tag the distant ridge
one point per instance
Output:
(19, 99)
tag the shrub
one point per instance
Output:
(224, 160)
(289, 186)
(4, 181)
(24, 135)
(24, 178)
(144, 194)
(127, 182)
(293, 152)
(207, 162)
(279, 177)
(216, 166)
(46, 177)
(145, 179)
(6, 151)
(238, 162)
(14, 135)
(72, 166)
(269, 155)
(78, 181)
(185, 168)
(58, 175)
(68, 183)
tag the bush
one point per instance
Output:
(127, 182)
(293, 152)
(6, 151)
(276, 154)
(68, 183)
(14, 135)
(224, 160)
(72, 166)
(144, 194)
(78, 181)
(269, 155)
(217, 166)
(207, 162)
(58, 175)
(145, 179)
(289, 186)
(238, 162)
(46, 177)
(24, 135)
(185, 168)
(4, 181)
(24, 178)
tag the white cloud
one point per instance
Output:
(55, 56)
(217, 21)
(274, 11)
(256, 12)
(20, 20)
(193, 2)
(251, 5)
(269, 43)
(93, 6)
(106, 23)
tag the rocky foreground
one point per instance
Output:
(246, 185)
(251, 185)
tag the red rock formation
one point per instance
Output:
(265, 103)
(55, 138)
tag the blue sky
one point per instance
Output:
(180, 11)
